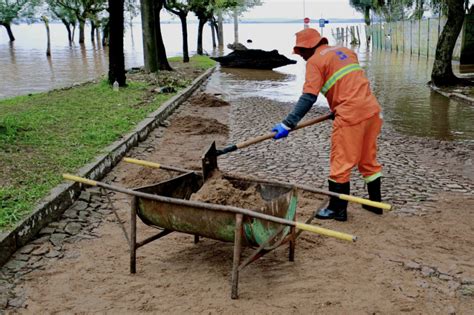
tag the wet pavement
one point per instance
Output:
(416, 172)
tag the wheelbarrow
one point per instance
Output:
(166, 206)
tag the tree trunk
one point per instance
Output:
(442, 74)
(81, 30)
(213, 32)
(68, 29)
(148, 29)
(236, 26)
(73, 31)
(93, 27)
(367, 22)
(367, 16)
(202, 22)
(184, 30)
(48, 36)
(105, 33)
(162, 60)
(220, 30)
(116, 55)
(97, 35)
(9, 31)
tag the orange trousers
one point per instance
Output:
(355, 145)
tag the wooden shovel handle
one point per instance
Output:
(271, 135)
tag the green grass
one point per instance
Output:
(47, 134)
(196, 61)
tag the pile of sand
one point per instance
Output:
(220, 191)
(199, 126)
(207, 100)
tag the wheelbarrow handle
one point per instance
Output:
(326, 232)
(81, 180)
(142, 162)
(362, 201)
(215, 207)
(155, 165)
(261, 138)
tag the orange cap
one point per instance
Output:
(308, 38)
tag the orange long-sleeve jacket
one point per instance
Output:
(336, 73)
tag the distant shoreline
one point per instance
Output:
(250, 21)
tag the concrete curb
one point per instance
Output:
(63, 196)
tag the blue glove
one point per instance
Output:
(281, 131)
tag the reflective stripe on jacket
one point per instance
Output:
(336, 73)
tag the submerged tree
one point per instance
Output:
(14, 9)
(66, 16)
(181, 8)
(238, 7)
(83, 10)
(45, 20)
(203, 9)
(363, 6)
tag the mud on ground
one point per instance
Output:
(421, 263)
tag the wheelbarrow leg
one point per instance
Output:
(196, 239)
(237, 253)
(292, 242)
(133, 236)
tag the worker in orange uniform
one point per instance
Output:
(336, 73)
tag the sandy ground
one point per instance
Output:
(420, 264)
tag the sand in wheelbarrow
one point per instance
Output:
(220, 191)
(207, 100)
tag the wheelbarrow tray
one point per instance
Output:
(279, 200)
(177, 213)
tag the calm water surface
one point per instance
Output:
(398, 80)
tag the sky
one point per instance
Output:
(295, 9)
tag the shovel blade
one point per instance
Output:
(209, 161)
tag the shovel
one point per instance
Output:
(209, 160)
(234, 147)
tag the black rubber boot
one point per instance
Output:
(337, 208)
(374, 194)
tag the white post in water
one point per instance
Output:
(220, 31)
(236, 26)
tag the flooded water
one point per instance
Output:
(400, 83)
(398, 80)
